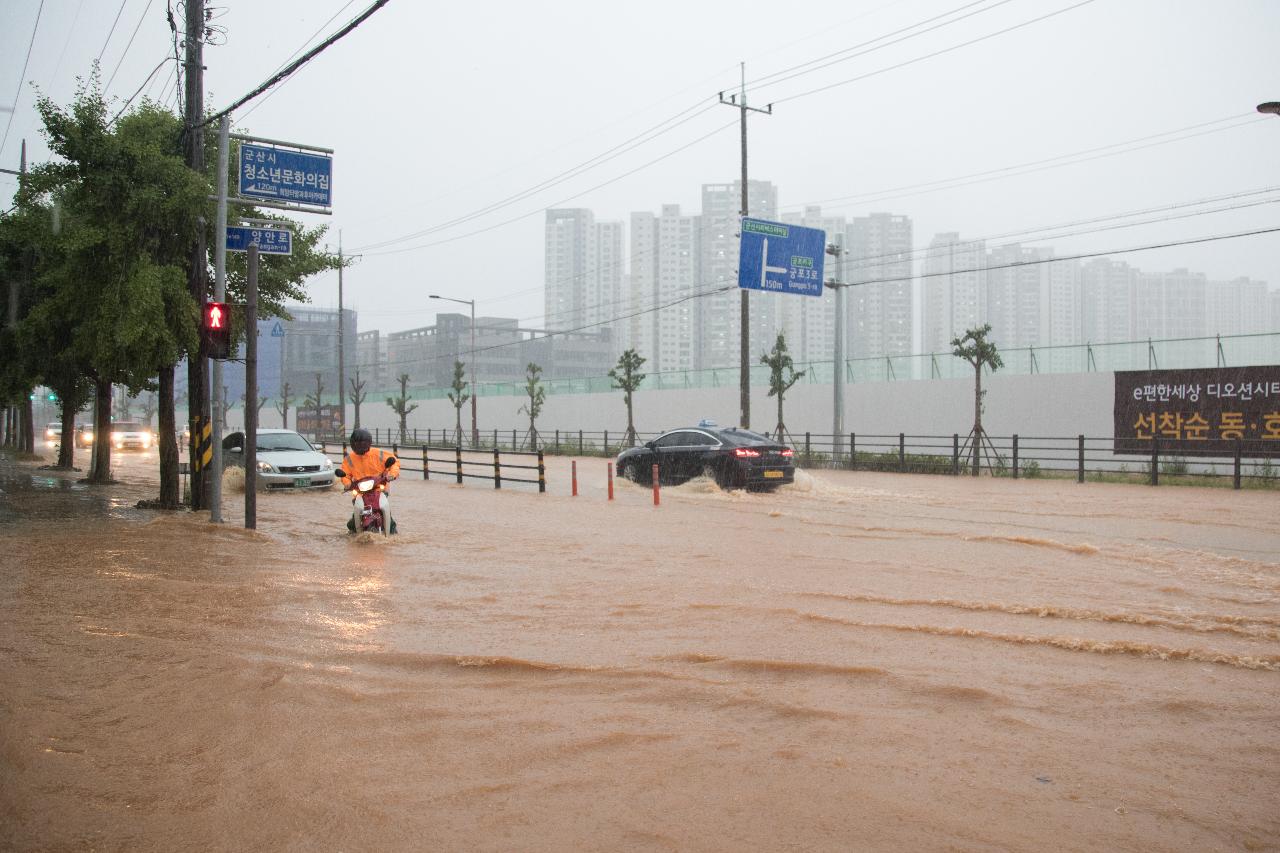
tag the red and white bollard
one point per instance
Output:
(657, 501)
(574, 466)
(610, 481)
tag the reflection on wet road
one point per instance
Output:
(858, 661)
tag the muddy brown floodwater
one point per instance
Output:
(857, 662)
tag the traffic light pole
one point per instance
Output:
(219, 295)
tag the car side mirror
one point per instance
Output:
(338, 472)
(391, 460)
(652, 445)
(235, 448)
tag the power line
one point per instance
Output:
(159, 65)
(129, 45)
(18, 94)
(294, 66)
(319, 30)
(112, 31)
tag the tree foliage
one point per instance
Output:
(626, 378)
(537, 395)
(458, 396)
(782, 375)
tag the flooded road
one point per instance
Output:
(859, 661)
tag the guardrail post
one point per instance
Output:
(542, 474)
(1235, 477)
(606, 442)
(1015, 456)
(457, 452)
(573, 478)
(902, 452)
(610, 481)
(557, 441)
(495, 437)
(497, 470)
(955, 454)
(579, 442)
(853, 452)
(1080, 459)
(426, 465)
(808, 460)
(513, 439)
(656, 499)
(1155, 460)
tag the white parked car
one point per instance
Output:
(286, 460)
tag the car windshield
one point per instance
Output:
(126, 426)
(275, 441)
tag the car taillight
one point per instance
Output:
(745, 452)
(787, 451)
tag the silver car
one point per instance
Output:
(286, 460)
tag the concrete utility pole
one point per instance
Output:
(198, 408)
(744, 365)
(219, 295)
(342, 364)
(837, 376)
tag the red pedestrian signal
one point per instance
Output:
(216, 329)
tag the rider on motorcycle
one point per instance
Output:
(363, 460)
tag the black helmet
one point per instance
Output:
(360, 436)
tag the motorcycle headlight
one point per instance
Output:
(265, 468)
(366, 485)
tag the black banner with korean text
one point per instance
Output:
(1199, 412)
(330, 422)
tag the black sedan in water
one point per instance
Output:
(734, 458)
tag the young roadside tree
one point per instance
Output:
(626, 378)
(286, 400)
(974, 348)
(312, 402)
(458, 396)
(782, 375)
(537, 395)
(356, 395)
(400, 405)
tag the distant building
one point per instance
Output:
(952, 290)
(583, 267)
(880, 306)
(371, 360)
(1170, 305)
(665, 256)
(1239, 307)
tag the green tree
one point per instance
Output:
(458, 396)
(974, 348)
(782, 375)
(400, 405)
(537, 395)
(626, 378)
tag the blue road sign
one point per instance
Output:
(277, 331)
(280, 174)
(270, 241)
(781, 258)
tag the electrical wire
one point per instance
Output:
(8, 124)
(112, 31)
(159, 65)
(120, 62)
(302, 47)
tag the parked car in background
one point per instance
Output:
(286, 460)
(734, 458)
(131, 435)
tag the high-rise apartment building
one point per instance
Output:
(583, 267)
(952, 290)
(1106, 295)
(1170, 305)
(1239, 307)
(880, 305)
(665, 261)
(719, 316)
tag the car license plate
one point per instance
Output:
(773, 473)
(302, 482)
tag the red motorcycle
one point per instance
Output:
(370, 505)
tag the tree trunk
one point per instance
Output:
(100, 470)
(781, 428)
(977, 417)
(67, 444)
(631, 430)
(457, 436)
(168, 441)
(27, 424)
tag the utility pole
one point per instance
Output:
(837, 376)
(739, 101)
(198, 408)
(342, 364)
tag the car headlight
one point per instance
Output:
(326, 465)
(265, 468)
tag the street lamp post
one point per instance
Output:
(475, 431)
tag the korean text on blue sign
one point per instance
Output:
(781, 258)
(270, 241)
(283, 175)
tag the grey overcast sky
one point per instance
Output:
(440, 114)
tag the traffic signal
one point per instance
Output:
(216, 327)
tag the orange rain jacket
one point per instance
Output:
(357, 466)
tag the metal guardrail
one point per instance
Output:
(462, 461)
